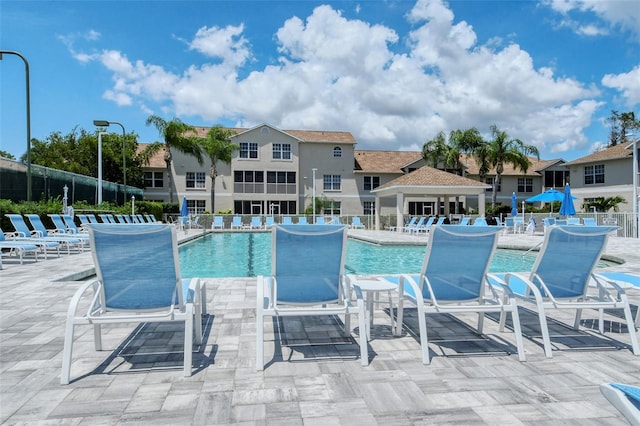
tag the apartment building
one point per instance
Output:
(277, 172)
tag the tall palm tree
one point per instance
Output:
(218, 147)
(177, 135)
(470, 141)
(501, 150)
(438, 150)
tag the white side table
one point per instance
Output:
(371, 287)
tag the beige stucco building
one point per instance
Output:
(277, 171)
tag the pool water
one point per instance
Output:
(248, 254)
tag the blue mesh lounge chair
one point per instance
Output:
(18, 248)
(107, 218)
(453, 279)
(140, 284)
(561, 275)
(150, 218)
(44, 245)
(40, 234)
(286, 220)
(320, 220)
(65, 226)
(302, 220)
(424, 227)
(268, 222)
(218, 222)
(236, 223)
(589, 221)
(625, 398)
(480, 221)
(307, 278)
(356, 223)
(416, 226)
(256, 222)
(623, 279)
(440, 221)
(411, 223)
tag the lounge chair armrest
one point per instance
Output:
(416, 294)
(75, 300)
(602, 283)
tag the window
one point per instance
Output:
(371, 182)
(281, 182)
(594, 174)
(525, 184)
(248, 181)
(247, 207)
(282, 151)
(337, 152)
(196, 180)
(331, 182)
(248, 150)
(555, 178)
(153, 179)
(489, 181)
(281, 207)
(196, 206)
(331, 208)
(369, 208)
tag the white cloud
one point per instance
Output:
(627, 83)
(616, 13)
(342, 74)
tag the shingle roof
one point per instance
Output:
(428, 176)
(322, 136)
(611, 153)
(536, 165)
(384, 161)
(157, 160)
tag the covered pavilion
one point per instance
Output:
(428, 182)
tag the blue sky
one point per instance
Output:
(393, 73)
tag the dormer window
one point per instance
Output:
(337, 152)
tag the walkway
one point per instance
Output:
(472, 380)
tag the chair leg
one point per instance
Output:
(576, 320)
(67, 352)
(517, 330)
(544, 328)
(97, 337)
(364, 345)
(424, 342)
(188, 344)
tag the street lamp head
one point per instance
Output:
(101, 123)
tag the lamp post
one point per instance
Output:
(106, 123)
(635, 183)
(100, 166)
(133, 204)
(313, 193)
(26, 68)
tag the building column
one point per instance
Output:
(377, 213)
(399, 211)
(481, 205)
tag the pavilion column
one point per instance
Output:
(481, 205)
(447, 211)
(376, 213)
(399, 211)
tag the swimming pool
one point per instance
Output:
(248, 254)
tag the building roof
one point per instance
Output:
(611, 153)
(157, 160)
(321, 136)
(428, 176)
(384, 161)
(472, 167)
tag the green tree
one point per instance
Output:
(218, 147)
(6, 154)
(471, 141)
(177, 135)
(501, 150)
(438, 151)
(603, 204)
(77, 152)
(620, 123)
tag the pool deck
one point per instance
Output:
(471, 379)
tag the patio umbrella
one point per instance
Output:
(183, 210)
(567, 208)
(548, 196)
(514, 205)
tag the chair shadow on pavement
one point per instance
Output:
(313, 338)
(156, 346)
